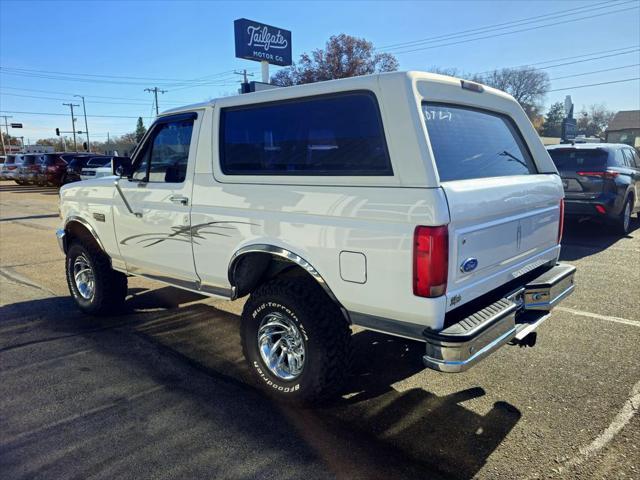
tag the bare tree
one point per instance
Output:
(593, 121)
(343, 56)
(527, 85)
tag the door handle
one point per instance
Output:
(179, 199)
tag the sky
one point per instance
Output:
(92, 45)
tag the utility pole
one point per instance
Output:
(22, 143)
(73, 124)
(6, 127)
(244, 74)
(86, 127)
(155, 91)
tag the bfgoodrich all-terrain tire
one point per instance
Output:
(295, 340)
(96, 288)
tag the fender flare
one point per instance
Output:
(87, 226)
(283, 253)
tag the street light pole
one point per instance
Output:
(73, 124)
(86, 127)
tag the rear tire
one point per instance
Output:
(312, 335)
(623, 225)
(96, 288)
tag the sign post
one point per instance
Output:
(262, 43)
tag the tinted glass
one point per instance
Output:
(629, 160)
(98, 162)
(469, 143)
(11, 159)
(30, 159)
(568, 159)
(332, 135)
(166, 158)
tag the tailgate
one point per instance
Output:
(500, 228)
(504, 214)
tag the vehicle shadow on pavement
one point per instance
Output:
(374, 431)
(28, 189)
(583, 239)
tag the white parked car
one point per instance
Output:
(412, 204)
(96, 167)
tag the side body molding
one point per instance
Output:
(284, 253)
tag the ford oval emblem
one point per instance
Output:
(469, 265)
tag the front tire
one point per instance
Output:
(96, 288)
(296, 341)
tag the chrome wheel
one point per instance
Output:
(281, 346)
(84, 277)
(626, 220)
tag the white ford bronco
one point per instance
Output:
(412, 204)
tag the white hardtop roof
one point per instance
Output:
(341, 84)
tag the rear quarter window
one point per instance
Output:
(337, 135)
(471, 143)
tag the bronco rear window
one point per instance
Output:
(472, 143)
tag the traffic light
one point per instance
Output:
(84, 145)
(57, 131)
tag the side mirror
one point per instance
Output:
(121, 166)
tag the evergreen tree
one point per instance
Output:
(553, 120)
(140, 130)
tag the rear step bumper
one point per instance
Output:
(510, 319)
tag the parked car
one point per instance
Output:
(600, 181)
(413, 204)
(76, 162)
(10, 167)
(53, 169)
(96, 167)
(29, 169)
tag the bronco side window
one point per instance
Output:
(339, 134)
(164, 156)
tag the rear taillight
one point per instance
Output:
(561, 221)
(430, 261)
(602, 174)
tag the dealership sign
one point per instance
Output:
(263, 43)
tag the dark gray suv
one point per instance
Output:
(601, 180)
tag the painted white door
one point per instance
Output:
(152, 208)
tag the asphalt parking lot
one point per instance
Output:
(163, 392)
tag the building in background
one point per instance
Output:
(624, 128)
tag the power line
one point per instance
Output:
(596, 71)
(58, 99)
(504, 25)
(595, 84)
(64, 114)
(143, 101)
(108, 79)
(515, 31)
(573, 57)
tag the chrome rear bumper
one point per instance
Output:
(463, 344)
